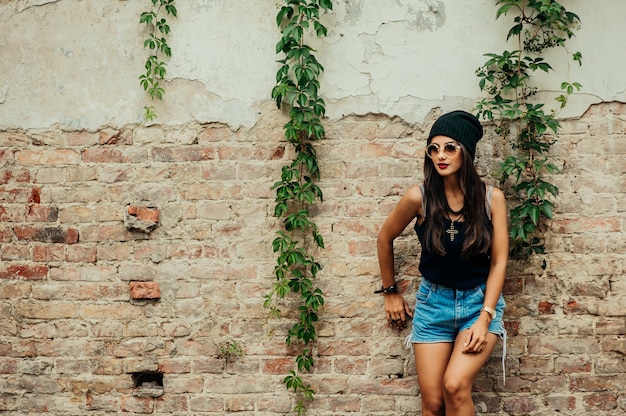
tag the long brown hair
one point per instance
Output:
(477, 224)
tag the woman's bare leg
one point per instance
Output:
(431, 361)
(459, 376)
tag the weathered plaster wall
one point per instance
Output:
(127, 248)
(76, 63)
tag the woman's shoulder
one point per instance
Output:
(496, 200)
(496, 193)
(493, 190)
(415, 193)
(411, 202)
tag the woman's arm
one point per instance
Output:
(406, 210)
(499, 250)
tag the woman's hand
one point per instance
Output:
(476, 336)
(397, 310)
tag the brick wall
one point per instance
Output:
(129, 254)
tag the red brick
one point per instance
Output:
(575, 364)
(102, 402)
(116, 173)
(77, 214)
(203, 403)
(351, 365)
(274, 404)
(183, 154)
(175, 329)
(104, 155)
(8, 365)
(47, 157)
(245, 152)
(338, 404)
(15, 252)
(81, 138)
(113, 252)
(595, 383)
(150, 251)
(77, 254)
(171, 404)
(512, 328)
(15, 290)
(148, 214)
(42, 213)
(375, 151)
(115, 137)
(572, 307)
(7, 156)
(133, 404)
(560, 403)
(32, 404)
(145, 290)
(209, 365)
(47, 234)
(24, 272)
(20, 195)
(111, 310)
(184, 250)
(5, 235)
(365, 385)
(610, 344)
(600, 402)
(35, 196)
(175, 365)
(278, 365)
(220, 171)
(546, 308)
(240, 404)
(217, 134)
(105, 233)
(183, 384)
(551, 345)
(611, 326)
(590, 225)
(519, 404)
(11, 213)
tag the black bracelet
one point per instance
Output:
(391, 289)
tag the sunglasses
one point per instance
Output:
(449, 149)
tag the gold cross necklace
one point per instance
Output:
(452, 232)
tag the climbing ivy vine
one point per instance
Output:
(156, 43)
(507, 78)
(297, 88)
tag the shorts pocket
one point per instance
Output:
(481, 291)
(422, 293)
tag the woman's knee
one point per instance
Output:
(433, 407)
(456, 389)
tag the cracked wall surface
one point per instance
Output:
(76, 63)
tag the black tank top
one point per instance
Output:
(452, 270)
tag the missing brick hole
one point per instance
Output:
(148, 384)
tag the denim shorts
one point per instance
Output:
(441, 313)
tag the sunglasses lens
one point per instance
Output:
(432, 150)
(449, 149)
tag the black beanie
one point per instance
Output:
(460, 126)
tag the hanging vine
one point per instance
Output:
(297, 87)
(507, 78)
(157, 45)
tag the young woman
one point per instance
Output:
(462, 228)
